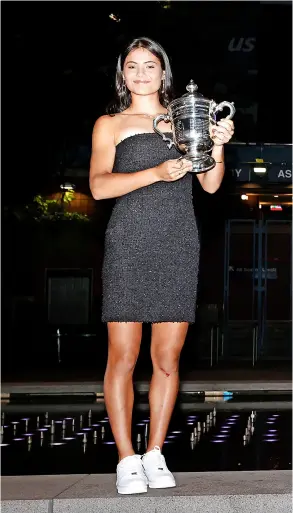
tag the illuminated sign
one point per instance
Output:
(276, 207)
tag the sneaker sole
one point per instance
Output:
(132, 489)
(162, 484)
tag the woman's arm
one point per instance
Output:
(103, 183)
(221, 133)
(211, 180)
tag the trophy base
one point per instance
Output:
(202, 165)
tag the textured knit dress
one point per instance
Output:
(151, 251)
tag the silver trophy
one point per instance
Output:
(191, 118)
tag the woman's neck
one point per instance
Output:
(149, 104)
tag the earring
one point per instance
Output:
(123, 87)
(163, 86)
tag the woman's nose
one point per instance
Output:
(140, 72)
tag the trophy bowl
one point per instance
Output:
(191, 117)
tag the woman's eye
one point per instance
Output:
(150, 66)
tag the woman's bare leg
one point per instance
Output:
(124, 339)
(166, 345)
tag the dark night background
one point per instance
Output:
(59, 60)
(58, 66)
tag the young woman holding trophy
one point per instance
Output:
(151, 246)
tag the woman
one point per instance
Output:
(151, 252)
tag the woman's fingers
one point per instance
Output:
(176, 172)
(226, 123)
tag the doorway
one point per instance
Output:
(257, 300)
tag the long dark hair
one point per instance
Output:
(122, 98)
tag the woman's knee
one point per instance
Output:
(166, 360)
(123, 348)
(122, 362)
(166, 345)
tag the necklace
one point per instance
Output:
(151, 116)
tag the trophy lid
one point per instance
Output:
(192, 90)
(191, 98)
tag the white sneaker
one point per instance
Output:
(156, 470)
(130, 475)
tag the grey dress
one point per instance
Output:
(151, 252)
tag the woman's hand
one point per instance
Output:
(172, 170)
(222, 132)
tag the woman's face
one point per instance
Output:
(142, 72)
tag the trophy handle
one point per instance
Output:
(166, 118)
(220, 107)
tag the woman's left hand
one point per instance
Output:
(222, 132)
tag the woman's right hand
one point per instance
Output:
(172, 170)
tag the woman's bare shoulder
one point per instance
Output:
(108, 122)
(105, 121)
